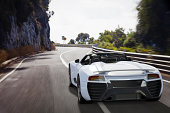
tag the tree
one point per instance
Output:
(154, 26)
(130, 40)
(91, 40)
(71, 41)
(106, 36)
(117, 37)
(82, 37)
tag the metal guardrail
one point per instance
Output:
(74, 45)
(162, 62)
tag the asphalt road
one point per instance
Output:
(41, 85)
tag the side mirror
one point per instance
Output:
(77, 61)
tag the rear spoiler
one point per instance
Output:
(145, 70)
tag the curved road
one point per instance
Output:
(40, 84)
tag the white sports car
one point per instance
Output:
(113, 76)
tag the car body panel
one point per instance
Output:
(118, 71)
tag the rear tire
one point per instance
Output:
(81, 100)
(70, 83)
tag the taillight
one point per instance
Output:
(96, 78)
(153, 76)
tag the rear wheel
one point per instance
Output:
(70, 83)
(81, 100)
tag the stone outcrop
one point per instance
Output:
(23, 23)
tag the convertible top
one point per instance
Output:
(106, 57)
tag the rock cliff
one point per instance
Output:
(24, 23)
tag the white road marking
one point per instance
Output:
(101, 105)
(89, 52)
(12, 71)
(166, 81)
(63, 61)
(3, 78)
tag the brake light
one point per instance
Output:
(153, 76)
(96, 78)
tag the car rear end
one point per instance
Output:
(124, 87)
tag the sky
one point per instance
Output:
(72, 17)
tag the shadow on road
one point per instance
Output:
(35, 58)
(86, 108)
(125, 106)
(7, 70)
(73, 90)
(137, 107)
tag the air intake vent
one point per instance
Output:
(154, 87)
(96, 90)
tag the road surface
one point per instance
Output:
(40, 84)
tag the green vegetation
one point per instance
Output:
(118, 40)
(116, 37)
(82, 38)
(152, 32)
(153, 27)
(130, 40)
(72, 41)
(91, 40)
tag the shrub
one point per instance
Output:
(81, 43)
(42, 49)
(107, 45)
(25, 50)
(3, 56)
(140, 49)
(126, 49)
(53, 46)
(168, 51)
(12, 53)
(130, 40)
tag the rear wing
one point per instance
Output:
(145, 70)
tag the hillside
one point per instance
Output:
(24, 23)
